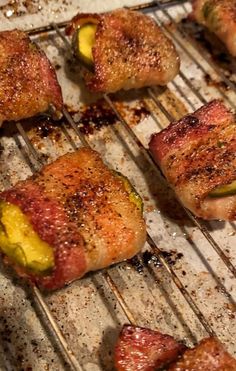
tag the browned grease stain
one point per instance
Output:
(96, 116)
(147, 257)
(217, 84)
(133, 115)
(41, 128)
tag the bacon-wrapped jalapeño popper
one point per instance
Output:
(197, 155)
(74, 216)
(122, 49)
(28, 83)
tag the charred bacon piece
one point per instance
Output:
(208, 355)
(197, 154)
(145, 350)
(126, 49)
(83, 213)
(219, 16)
(28, 82)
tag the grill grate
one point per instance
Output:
(203, 227)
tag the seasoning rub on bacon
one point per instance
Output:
(28, 82)
(208, 355)
(123, 49)
(74, 216)
(219, 16)
(197, 155)
(142, 349)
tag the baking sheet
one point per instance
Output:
(87, 311)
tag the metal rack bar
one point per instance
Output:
(194, 90)
(27, 141)
(181, 92)
(145, 6)
(181, 287)
(129, 315)
(69, 355)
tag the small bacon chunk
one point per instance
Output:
(129, 51)
(197, 154)
(28, 82)
(209, 355)
(145, 350)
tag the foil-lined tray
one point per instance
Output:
(87, 311)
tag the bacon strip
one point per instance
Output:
(198, 154)
(81, 208)
(28, 82)
(130, 51)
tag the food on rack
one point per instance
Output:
(208, 355)
(220, 18)
(197, 156)
(83, 42)
(122, 49)
(74, 216)
(143, 349)
(28, 82)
